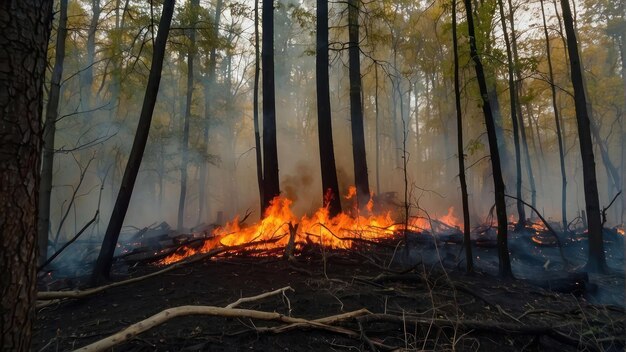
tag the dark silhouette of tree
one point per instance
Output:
(271, 186)
(557, 121)
(191, 53)
(597, 261)
(521, 222)
(330, 186)
(49, 131)
(356, 110)
(255, 108)
(498, 182)
(105, 258)
(25, 27)
(461, 155)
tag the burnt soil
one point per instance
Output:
(329, 283)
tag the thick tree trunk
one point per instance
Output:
(330, 186)
(25, 27)
(622, 51)
(271, 185)
(361, 180)
(513, 100)
(460, 150)
(105, 258)
(52, 114)
(191, 53)
(503, 251)
(557, 121)
(597, 261)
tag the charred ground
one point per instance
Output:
(416, 305)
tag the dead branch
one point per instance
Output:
(258, 297)
(550, 229)
(333, 319)
(52, 257)
(171, 313)
(84, 293)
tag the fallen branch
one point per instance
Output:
(326, 320)
(49, 295)
(52, 257)
(258, 297)
(171, 313)
(550, 229)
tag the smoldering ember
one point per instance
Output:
(299, 175)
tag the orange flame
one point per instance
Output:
(335, 232)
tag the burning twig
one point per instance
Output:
(95, 217)
(293, 229)
(550, 229)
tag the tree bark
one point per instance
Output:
(25, 27)
(105, 258)
(271, 186)
(597, 261)
(503, 251)
(330, 186)
(191, 53)
(361, 180)
(49, 131)
(461, 155)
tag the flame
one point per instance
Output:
(320, 228)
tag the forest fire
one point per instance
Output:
(331, 232)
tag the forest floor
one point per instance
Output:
(414, 307)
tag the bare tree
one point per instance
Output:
(498, 182)
(25, 27)
(330, 186)
(597, 261)
(271, 186)
(361, 180)
(105, 258)
(461, 155)
(191, 53)
(49, 131)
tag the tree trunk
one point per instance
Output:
(25, 27)
(330, 186)
(271, 186)
(191, 53)
(52, 114)
(522, 127)
(503, 251)
(255, 109)
(513, 100)
(105, 258)
(597, 262)
(557, 121)
(356, 111)
(208, 84)
(461, 155)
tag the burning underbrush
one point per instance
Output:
(280, 226)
